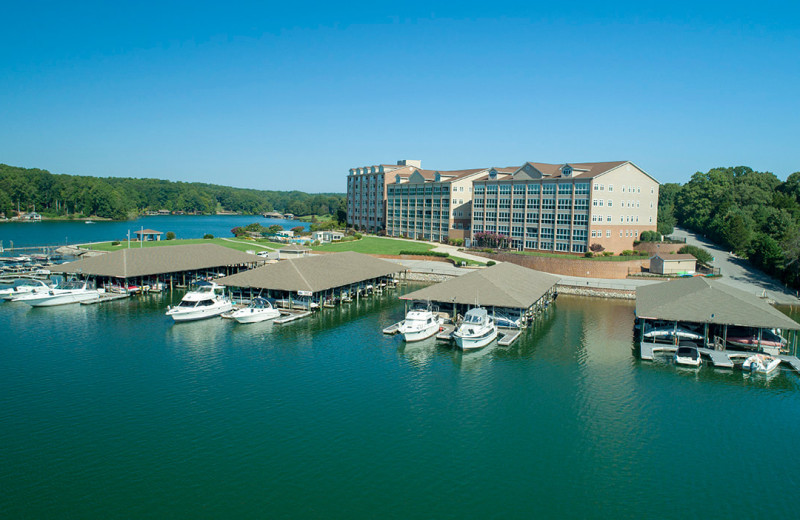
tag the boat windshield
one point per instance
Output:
(689, 352)
(184, 304)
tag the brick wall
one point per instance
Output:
(572, 267)
(657, 247)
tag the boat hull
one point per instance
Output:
(255, 316)
(475, 342)
(199, 314)
(58, 299)
(410, 336)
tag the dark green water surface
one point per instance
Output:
(111, 411)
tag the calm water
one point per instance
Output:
(78, 232)
(114, 411)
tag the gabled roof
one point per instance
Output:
(502, 285)
(699, 300)
(314, 273)
(149, 261)
(149, 232)
(675, 256)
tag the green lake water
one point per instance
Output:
(113, 411)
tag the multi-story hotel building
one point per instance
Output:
(566, 207)
(431, 204)
(366, 193)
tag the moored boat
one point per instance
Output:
(206, 301)
(770, 341)
(688, 355)
(260, 309)
(23, 288)
(761, 363)
(66, 293)
(420, 322)
(476, 330)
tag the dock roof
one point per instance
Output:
(700, 300)
(149, 261)
(314, 273)
(502, 285)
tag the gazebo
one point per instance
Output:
(148, 234)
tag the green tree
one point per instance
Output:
(703, 256)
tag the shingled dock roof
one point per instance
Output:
(148, 261)
(502, 285)
(699, 300)
(314, 273)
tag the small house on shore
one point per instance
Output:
(148, 234)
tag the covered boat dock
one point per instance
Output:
(314, 281)
(726, 324)
(169, 265)
(513, 294)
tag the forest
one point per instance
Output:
(751, 213)
(122, 198)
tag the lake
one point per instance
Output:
(62, 232)
(114, 411)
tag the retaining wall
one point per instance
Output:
(573, 267)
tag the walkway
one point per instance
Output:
(738, 273)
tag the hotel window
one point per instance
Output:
(623, 188)
(564, 188)
(533, 189)
(478, 215)
(532, 232)
(548, 218)
(533, 203)
(608, 218)
(580, 219)
(594, 234)
(502, 229)
(491, 215)
(547, 233)
(578, 234)
(479, 190)
(519, 203)
(578, 248)
(516, 231)
(477, 228)
(478, 203)
(637, 203)
(562, 218)
(582, 204)
(530, 244)
(549, 189)
(564, 204)
(533, 217)
(503, 216)
(620, 232)
(582, 188)
(609, 203)
(492, 188)
(562, 247)
(562, 234)
(519, 189)
(596, 187)
(610, 187)
(651, 220)
(548, 203)
(547, 246)
(608, 233)
(505, 203)
(505, 189)
(518, 217)
(636, 233)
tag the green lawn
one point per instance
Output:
(240, 245)
(375, 246)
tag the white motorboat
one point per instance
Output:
(206, 301)
(420, 323)
(761, 363)
(24, 287)
(259, 310)
(69, 292)
(687, 354)
(476, 330)
(670, 333)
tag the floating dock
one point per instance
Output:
(107, 297)
(392, 329)
(287, 316)
(509, 336)
(718, 358)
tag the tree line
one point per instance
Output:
(751, 213)
(122, 198)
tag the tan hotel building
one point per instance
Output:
(366, 193)
(566, 207)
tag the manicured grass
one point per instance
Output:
(239, 245)
(458, 261)
(375, 246)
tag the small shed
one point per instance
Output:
(673, 264)
(327, 236)
(149, 234)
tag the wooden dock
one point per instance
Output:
(446, 334)
(106, 297)
(288, 316)
(718, 358)
(392, 329)
(509, 336)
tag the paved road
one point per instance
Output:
(739, 273)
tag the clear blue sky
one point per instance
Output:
(291, 96)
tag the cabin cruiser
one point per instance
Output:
(260, 309)
(206, 301)
(761, 363)
(476, 330)
(24, 287)
(687, 354)
(420, 323)
(74, 291)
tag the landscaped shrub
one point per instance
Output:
(425, 253)
(115, 243)
(588, 254)
(170, 235)
(490, 263)
(608, 253)
(703, 256)
(487, 250)
(357, 236)
(208, 236)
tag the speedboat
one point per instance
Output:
(761, 363)
(670, 332)
(259, 310)
(420, 323)
(206, 301)
(687, 354)
(770, 342)
(25, 287)
(476, 330)
(74, 291)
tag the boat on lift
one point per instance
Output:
(476, 330)
(420, 322)
(260, 309)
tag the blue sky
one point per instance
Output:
(291, 96)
